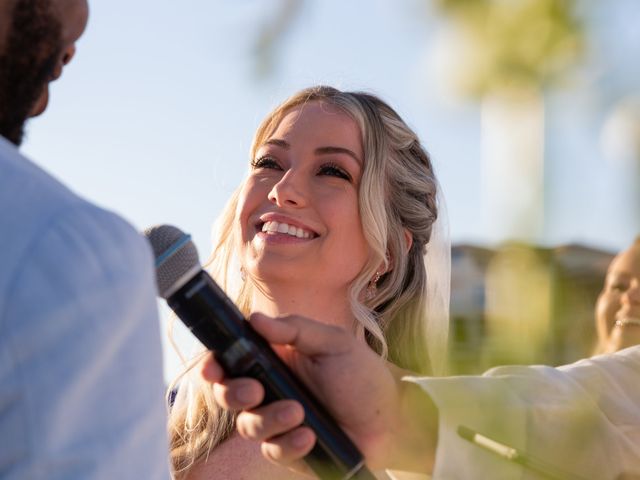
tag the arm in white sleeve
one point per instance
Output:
(582, 418)
(80, 356)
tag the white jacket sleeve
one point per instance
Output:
(80, 356)
(582, 418)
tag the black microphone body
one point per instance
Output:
(214, 319)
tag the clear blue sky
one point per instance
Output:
(154, 117)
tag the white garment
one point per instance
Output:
(81, 390)
(583, 418)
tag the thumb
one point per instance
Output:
(307, 336)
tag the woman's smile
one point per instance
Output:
(273, 224)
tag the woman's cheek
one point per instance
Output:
(606, 309)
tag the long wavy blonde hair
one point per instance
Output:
(397, 195)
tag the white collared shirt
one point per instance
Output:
(81, 389)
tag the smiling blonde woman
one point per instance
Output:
(336, 221)
(618, 306)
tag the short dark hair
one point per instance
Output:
(33, 43)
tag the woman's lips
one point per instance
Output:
(284, 228)
(282, 232)
(627, 312)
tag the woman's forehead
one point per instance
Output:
(319, 121)
(627, 262)
(315, 111)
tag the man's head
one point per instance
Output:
(37, 39)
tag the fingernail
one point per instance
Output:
(301, 438)
(286, 415)
(245, 394)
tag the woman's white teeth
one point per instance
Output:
(273, 227)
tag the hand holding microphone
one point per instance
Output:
(333, 361)
(325, 358)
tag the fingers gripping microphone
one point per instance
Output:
(213, 318)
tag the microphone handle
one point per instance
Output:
(215, 320)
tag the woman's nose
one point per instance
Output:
(289, 191)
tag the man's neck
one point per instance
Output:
(5, 142)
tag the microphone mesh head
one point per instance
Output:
(176, 257)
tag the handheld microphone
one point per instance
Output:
(214, 319)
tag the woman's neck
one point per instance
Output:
(324, 305)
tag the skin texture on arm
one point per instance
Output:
(238, 458)
(380, 414)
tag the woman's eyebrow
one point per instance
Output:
(619, 275)
(346, 151)
(278, 143)
(318, 151)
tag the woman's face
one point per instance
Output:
(620, 297)
(298, 210)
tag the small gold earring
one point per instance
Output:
(372, 288)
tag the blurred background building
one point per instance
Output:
(523, 304)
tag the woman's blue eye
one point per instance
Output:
(265, 162)
(334, 171)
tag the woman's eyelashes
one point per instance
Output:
(334, 170)
(265, 162)
(618, 286)
(331, 169)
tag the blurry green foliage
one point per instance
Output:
(272, 32)
(514, 43)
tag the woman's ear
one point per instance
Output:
(408, 239)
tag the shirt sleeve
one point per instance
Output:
(582, 419)
(82, 353)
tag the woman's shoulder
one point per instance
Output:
(398, 475)
(239, 459)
